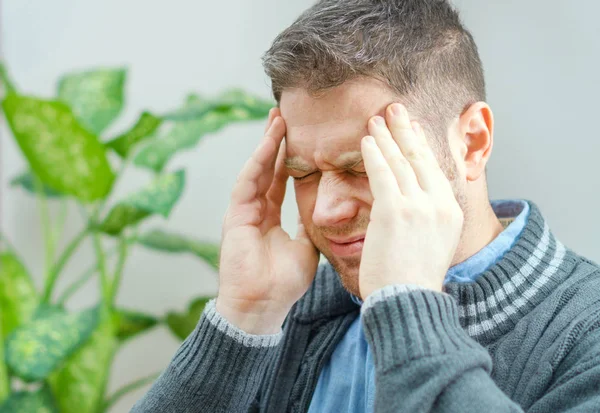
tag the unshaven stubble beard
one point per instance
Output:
(346, 267)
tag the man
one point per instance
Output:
(433, 299)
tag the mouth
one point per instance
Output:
(346, 247)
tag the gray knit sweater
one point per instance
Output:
(524, 337)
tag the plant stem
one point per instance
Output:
(76, 285)
(85, 277)
(46, 228)
(60, 222)
(126, 389)
(104, 281)
(116, 280)
(60, 263)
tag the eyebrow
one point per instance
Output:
(347, 160)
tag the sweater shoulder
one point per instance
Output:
(577, 296)
(566, 317)
(566, 313)
(577, 307)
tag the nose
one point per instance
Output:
(334, 204)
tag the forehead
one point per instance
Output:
(326, 126)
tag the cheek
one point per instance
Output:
(364, 191)
(306, 196)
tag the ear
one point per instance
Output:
(476, 127)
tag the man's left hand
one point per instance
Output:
(416, 222)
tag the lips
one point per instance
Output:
(346, 240)
(346, 247)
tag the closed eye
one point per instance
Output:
(300, 178)
(355, 173)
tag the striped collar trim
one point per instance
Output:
(513, 286)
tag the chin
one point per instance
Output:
(347, 270)
(346, 267)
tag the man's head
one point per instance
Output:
(344, 61)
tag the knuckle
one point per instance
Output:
(401, 127)
(417, 212)
(415, 155)
(399, 161)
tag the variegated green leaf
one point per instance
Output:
(182, 324)
(96, 96)
(63, 154)
(18, 297)
(157, 198)
(44, 310)
(120, 217)
(79, 386)
(35, 350)
(143, 129)
(39, 401)
(128, 323)
(171, 242)
(26, 180)
(194, 108)
(248, 106)
(255, 107)
(197, 119)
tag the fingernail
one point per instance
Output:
(369, 139)
(378, 120)
(397, 109)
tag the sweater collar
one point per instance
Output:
(489, 306)
(525, 275)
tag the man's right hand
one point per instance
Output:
(263, 272)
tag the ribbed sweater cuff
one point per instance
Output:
(387, 292)
(221, 362)
(404, 323)
(249, 340)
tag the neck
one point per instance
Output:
(481, 226)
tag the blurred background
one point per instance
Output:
(541, 59)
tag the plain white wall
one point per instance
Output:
(541, 60)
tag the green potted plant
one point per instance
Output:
(52, 359)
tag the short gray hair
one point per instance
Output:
(419, 48)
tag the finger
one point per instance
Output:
(402, 169)
(257, 174)
(276, 193)
(273, 113)
(382, 181)
(415, 148)
(430, 174)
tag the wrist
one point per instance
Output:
(251, 320)
(368, 290)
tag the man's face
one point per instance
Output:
(323, 155)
